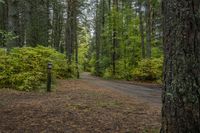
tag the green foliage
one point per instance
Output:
(92, 64)
(149, 69)
(83, 60)
(123, 71)
(107, 74)
(157, 52)
(5, 37)
(25, 68)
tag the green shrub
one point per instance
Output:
(149, 69)
(26, 68)
(107, 73)
(123, 70)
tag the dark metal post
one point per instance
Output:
(49, 67)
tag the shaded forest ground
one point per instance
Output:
(76, 107)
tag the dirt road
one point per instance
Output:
(150, 95)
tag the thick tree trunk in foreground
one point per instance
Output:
(181, 94)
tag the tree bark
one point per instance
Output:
(148, 28)
(181, 93)
(69, 42)
(3, 16)
(97, 38)
(57, 25)
(114, 37)
(13, 23)
(141, 28)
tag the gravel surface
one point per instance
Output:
(147, 94)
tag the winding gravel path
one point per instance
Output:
(150, 95)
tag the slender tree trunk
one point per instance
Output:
(148, 28)
(109, 5)
(115, 41)
(22, 22)
(57, 25)
(75, 25)
(76, 51)
(97, 39)
(141, 28)
(181, 94)
(13, 23)
(27, 14)
(69, 31)
(2, 16)
(47, 16)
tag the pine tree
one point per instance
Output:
(181, 96)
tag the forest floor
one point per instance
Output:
(77, 106)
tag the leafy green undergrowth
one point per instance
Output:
(145, 70)
(25, 69)
(149, 70)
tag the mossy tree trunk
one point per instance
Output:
(181, 93)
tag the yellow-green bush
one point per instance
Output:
(149, 69)
(107, 73)
(123, 71)
(26, 68)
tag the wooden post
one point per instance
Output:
(49, 67)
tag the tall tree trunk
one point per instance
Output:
(148, 28)
(27, 16)
(57, 25)
(69, 31)
(114, 37)
(75, 25)
(3, 15)
(141, 28)
(13, 22)
(3, 19)
(47, 25)
(22, 22)
(97, 38)
(76, 47)
(109, 5)
(181, 94)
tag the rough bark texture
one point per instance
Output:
(181, 93)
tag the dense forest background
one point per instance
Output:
(119, 39)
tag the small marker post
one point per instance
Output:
(49, 67)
